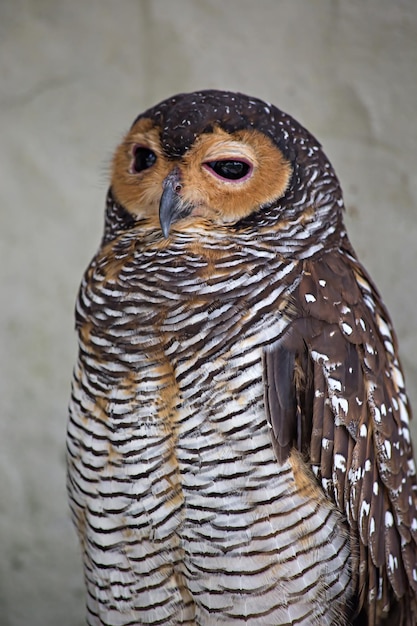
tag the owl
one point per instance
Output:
(238, 442)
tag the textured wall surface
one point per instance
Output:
(73, 75)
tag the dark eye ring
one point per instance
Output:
(229, 169)
(143, 159)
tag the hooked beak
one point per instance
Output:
(171, 206)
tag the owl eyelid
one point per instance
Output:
(216, 164)
(143, 158)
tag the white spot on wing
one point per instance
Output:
(392, 562)
(389, 520)
(340, 462)
(325, 443)
(334, 384)
(317, 356)
(340, 403)
(365, 508)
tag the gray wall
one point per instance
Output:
(73, 75)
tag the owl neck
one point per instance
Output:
(299, 225)
(308, 218)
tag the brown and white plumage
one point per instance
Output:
(238, 443)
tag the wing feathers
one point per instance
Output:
(336, 392)
(280, 399)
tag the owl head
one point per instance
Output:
(217, 159)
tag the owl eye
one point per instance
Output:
(143, 158)
(229, 169)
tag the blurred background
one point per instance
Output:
(73, 76)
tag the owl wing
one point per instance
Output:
(335, 391)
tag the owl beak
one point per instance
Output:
(171, 206)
